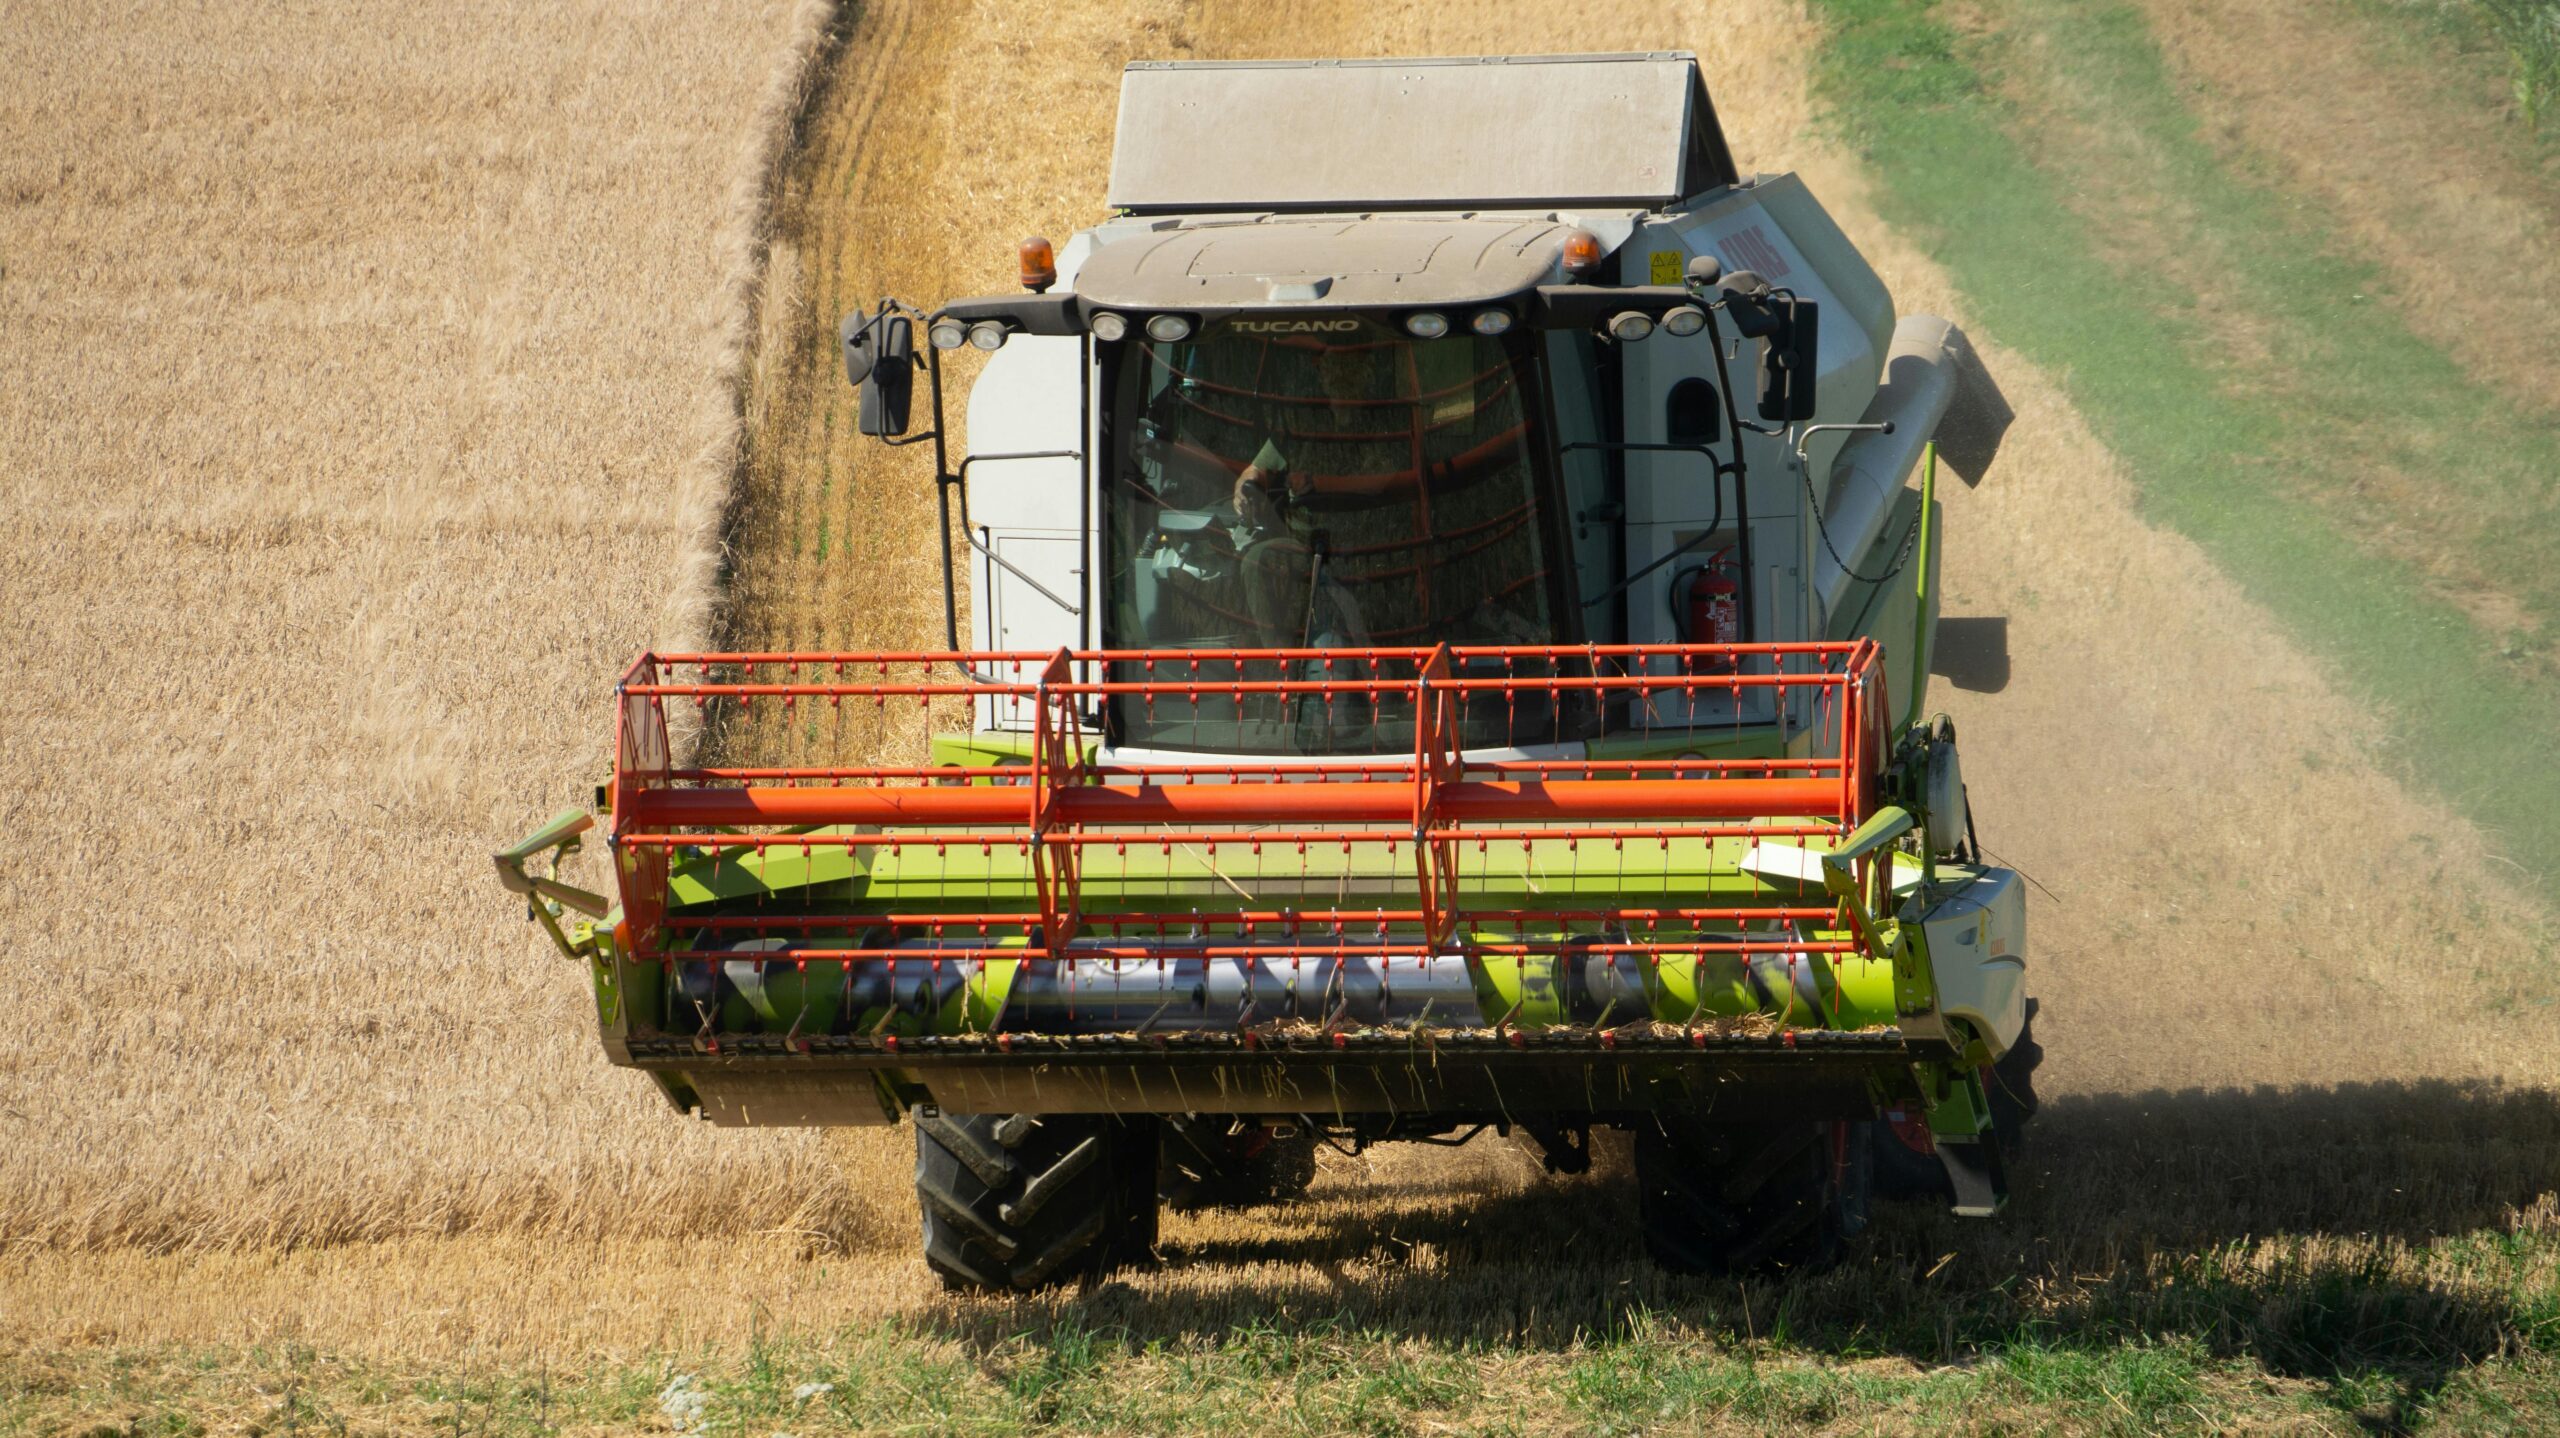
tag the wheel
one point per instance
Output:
(1019, 1201)
(1740, 1198)
(1213, 1161)
(1907, 1159)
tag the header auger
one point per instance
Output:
(1342, 752)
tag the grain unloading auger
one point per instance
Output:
(1395, 711)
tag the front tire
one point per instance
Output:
(1749, 1198)
(1015, 1202)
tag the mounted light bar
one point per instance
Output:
(1592, 307)
(1053, 314)
(1626, 312)
(1546, 307)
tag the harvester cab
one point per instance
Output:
(1449, 608)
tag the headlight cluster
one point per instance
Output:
(1431, 324)
(1680, 322)
(1110, 325)
(950, 334)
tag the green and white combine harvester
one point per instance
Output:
(1452, 570)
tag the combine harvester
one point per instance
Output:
(1451, 614)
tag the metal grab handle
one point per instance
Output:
(1016, 571)
(1716, 471)
(1805, 436)
(959, 479)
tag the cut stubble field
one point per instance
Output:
(350, 478)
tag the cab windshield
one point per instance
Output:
(1327, 484)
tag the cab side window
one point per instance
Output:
(1690, 415)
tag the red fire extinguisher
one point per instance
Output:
(1713, 611)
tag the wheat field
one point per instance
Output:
(352, 368)
(369, 407)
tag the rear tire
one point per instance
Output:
(1749, 1198)
(1014, 1202)
(1213, 1161)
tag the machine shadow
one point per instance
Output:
(1972, 654)
(2285, 1224)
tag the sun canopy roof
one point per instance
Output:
(1502, 131)
(1324, 262)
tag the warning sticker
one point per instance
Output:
(1665, 267)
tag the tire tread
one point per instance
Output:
(1010, 1202)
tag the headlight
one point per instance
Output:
(1490, 322)
(1166, 329)
(1108, 326)
(948, 334)
(1630, 325)
(1684, 321)
(987, 335)
(1426, 324)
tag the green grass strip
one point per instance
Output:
(2142, 365)
(1313, 1378)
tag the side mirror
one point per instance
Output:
(879, 360)
(1791, 360)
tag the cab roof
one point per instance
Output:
(1488, 132)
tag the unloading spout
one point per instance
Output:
(1931, 371)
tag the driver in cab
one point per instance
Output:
(1281, 553)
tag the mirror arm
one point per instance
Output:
(1049, 314)
(1574, 307)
